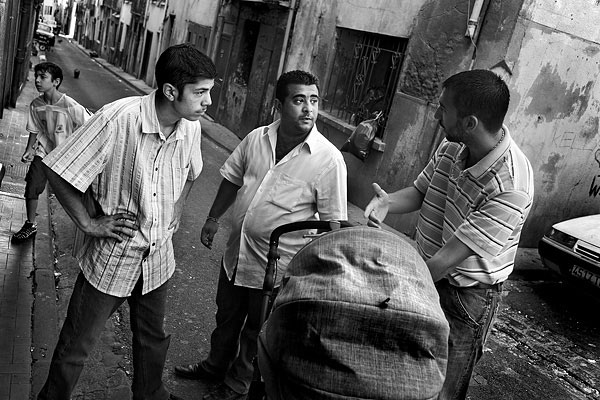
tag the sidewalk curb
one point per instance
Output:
(45, 308)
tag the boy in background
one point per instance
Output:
(52, 117)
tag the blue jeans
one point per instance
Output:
(86, 316)
(470, 313)
(233, 343)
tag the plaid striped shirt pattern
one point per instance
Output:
(484, 206)
(132, 168)
(53, 123)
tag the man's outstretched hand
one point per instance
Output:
(378, 207)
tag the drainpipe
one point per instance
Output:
(472, 25)
(286, 36)
(474, 19)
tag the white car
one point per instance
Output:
(572, 248)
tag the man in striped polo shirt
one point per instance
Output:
(473, 198)
(135, 160)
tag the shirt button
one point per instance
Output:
(153, 244)
(156, 169)
(154, 194)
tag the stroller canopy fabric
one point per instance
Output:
(357, 316)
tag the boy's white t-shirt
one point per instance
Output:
(53, 123)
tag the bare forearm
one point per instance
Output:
(452, 254)
(405, 200)
(224, 199)
(31, 140)
(69, 198)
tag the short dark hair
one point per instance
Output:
(54, 70)
(481, 93)
(182, 64)
(291, 78)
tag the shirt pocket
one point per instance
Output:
(290, 193)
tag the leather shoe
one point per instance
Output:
(196, 371)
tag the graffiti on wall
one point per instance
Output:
(585, 140)
(595, 185)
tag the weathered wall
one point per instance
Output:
(555, 108)
(314, 52)
(156, 16)
(437, 48)
(125, 19)
(202, 12)
(387, 17)
(248, 89)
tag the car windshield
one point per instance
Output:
(45, 28)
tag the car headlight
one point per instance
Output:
(562, 238)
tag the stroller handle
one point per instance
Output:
(257, 386)
(273, 254)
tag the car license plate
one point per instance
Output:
(584, 274)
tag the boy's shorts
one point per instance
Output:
(36, 179)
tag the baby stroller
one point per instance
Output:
(357, 316)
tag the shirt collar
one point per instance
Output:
(150, 123)
(490, 158)
(310, 142)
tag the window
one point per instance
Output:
(364, 75)
(199, 36)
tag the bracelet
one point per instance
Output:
(213, 219)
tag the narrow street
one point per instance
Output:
(545, 345)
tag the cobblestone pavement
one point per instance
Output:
(16, 261)
(16, 300)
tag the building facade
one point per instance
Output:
(391, 57)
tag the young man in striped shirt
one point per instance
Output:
(140, 155)
(473, 198)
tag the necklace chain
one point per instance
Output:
(501, 139)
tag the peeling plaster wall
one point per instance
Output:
(202, 12)
(437, 48)
(555, 109)
(311, 52)
(314, 52)
(551, 51)
(387, 17)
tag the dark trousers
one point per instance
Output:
(86, 316)
(233, 342)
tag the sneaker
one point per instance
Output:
(27, 231)
(224, 392)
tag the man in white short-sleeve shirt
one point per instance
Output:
(281, 173)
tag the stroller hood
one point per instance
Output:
(357, 316)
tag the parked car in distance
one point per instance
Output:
(44, 34)
(572, 248)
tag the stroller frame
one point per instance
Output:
(257, 388)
